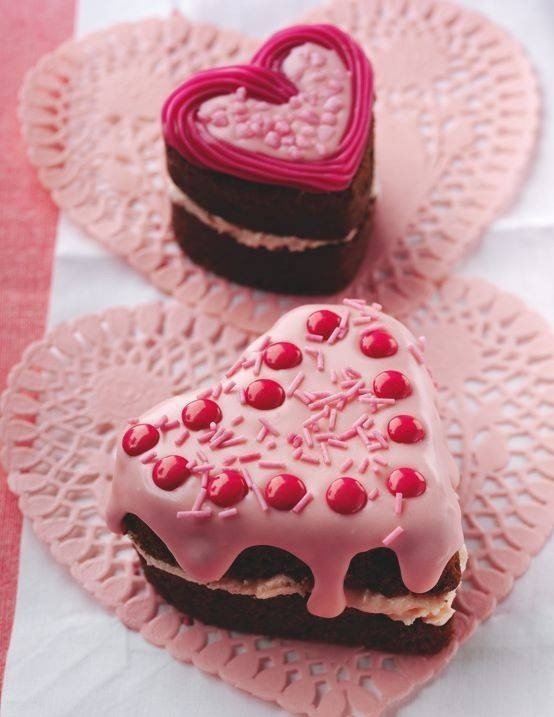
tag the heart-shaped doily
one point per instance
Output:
(69, 398)
(456, 121)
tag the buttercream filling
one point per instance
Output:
(431, 609)
(250, 238)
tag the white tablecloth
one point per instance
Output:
(69, 657)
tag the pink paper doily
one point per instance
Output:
(456, 123)
(74, 391)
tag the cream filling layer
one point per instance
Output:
(249, 238)
(432, 609)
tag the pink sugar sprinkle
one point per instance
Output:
(393, 535)
(333, 419)
(311, 352)
(262, 433)
(170, 425)
(259, 497)
(422, 342)
(269, 426)
(398, 503)
(354, 389)
(364, 439)
(324, 401)
(161, 421)
(313, 419)
(324, 437)
(203, 467)
(234, 368)
(303, 502)
(248, 363)
(237, 421)
(416, 353)
(346, 465)
(271, 445)
(362, 320)
(242, 396)
(229, 460)
(361, 420)
(228, 513)
(258, 363)
(352, 372)
(297, 453)
(205, 437)
(344, 321)
(205, 479)
(216, 392)
(313, 460)
(380, 461)
(359, 304)
(239, 440)
(277, 465)
(374, 327)
(347, 381)
(301, 397)
(149, 458)
(182, 438)
(334, 377)
(326, 455)
(265, 343)
(380, 438)
(294, 384)
(337, 443)
(229, 387)
(373, 494)
(132, 421)
(363, 465)
(374, 401)
(202, 456)
(347, 435)
(320, 361)
(249, 457)
(205, 513)
(213, 426)
(378, 307)
(204, 394)
(314, 337)
(200, 498)
(216, 442)
(308, 437)
(335, 335)
(247, 477)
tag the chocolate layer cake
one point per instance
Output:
(308, 494)
(271, 164)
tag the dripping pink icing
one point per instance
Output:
(299, 114)
(388, 485)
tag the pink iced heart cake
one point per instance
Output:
(271, 163)
(308, 494)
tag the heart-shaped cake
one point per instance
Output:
(271, 163)
(308, 494)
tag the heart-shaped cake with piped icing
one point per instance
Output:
(308, 494)
(271, 163)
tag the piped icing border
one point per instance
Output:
(263, 79)
(323, 439)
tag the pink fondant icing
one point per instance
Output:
(299, 114)
(293, 459)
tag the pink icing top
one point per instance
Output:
(323, 440)
(298, 114)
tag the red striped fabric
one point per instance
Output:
(28, 225)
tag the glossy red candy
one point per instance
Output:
(264, 394)
(405, 429)
(407, 481)
(170, 472)
(282, 355)
(392, 384)
(140, 438)
(200, 413)
(284, 491)
(346, 495)
(227, 489)
(378, 344)
(322, 323)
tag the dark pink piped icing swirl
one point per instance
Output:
(264, 80)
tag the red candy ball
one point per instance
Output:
(170, 472)
(407, 481)
(264, 394)
(281, 355)
(405, 429)
(200, 413)
(391, 384)
(140, 438)
(227, 489)
(284, 491)
(322, 323)
(346, 495)
(378, 344)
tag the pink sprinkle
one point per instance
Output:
(216, 392)
(265, 343)
(333, 419)
(380, 438)
(202, 456)
(169, 426)
(344, 321)
(376, 306)
(309, 459)
(242, 396)
(262, 433)
(227, 513)
(346, 465)
(213, 426)
(308, 437)
(374, 401)
(237, 421)
(249, 363)
(373, 494)
(258, 363)
(334, 377)
(294, 384)
(182, 438)
(416, 353)
(277, 465)
(249, 457)
(374, 327)
(294, 440)
(311, 352)
(362, 320)
(303, 502)
(352, 372)
(363, 465)
(269, 426)
(259, 497)
(297, 453)
(150, 458)
(422, 342)
(334, 336)
(314, 337)
(393, 535)
(361, 420)
(333, 398)
(229, 460)
(216, 442)
(161, 422)
(203, 467)
(234, 368)
(320, 361)
(313, 419)
(324, 437)
(347, 435)
(239, 440)
(271, 445)
(132, 421)
(301, 397)
(354, 389)
(398, 503)
(336, 443)
(326, 455)
(364, 439)
(205, 513)
(205, 437)
(200, 498)
(380, 461)
(359, 304)
(229, 387)
(205, 394)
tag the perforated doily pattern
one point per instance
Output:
(73, 392)
(456, 121)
